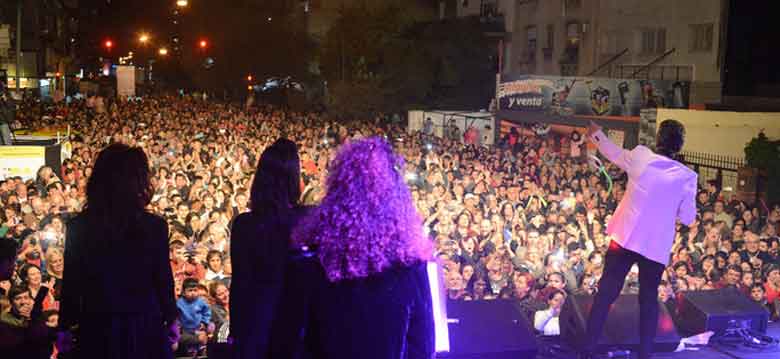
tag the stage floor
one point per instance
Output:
(709, 352)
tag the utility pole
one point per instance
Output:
(18, 47)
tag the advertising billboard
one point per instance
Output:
(589, 96)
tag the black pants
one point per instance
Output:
(617, 263)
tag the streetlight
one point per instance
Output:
(182, 3)
(163, 51)
(144, 38)
(249, 78)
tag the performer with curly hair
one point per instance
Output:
(367, 286)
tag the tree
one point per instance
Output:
(386, 60)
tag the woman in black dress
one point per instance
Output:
(117, 284)
(368, 294)
(260, 243)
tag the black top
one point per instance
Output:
(387, 315)
(117, 276)
(259, 248)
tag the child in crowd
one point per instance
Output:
(195, 319)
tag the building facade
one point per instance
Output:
(48, 41)
(642, 39)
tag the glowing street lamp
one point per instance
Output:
(182, 3)
(144, 38)
(249, 78)
(163, 51)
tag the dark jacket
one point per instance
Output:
(23, 338)
(119, 291)
(387, 315)
(259, 248)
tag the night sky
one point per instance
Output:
(242, 41)
(239, 37)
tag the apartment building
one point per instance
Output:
(640, 39)
(47, 43)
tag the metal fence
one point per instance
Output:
(722, 169)
(655, 72)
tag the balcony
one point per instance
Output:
(571, 55)
(490, 15)
(569, 69)
(489, 9)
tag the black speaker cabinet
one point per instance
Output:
(718, 310)
(622, 327)
(494, 329)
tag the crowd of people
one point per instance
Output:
(522, 220)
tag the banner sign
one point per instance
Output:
(589, 96)
(22, 161)
(125, 81)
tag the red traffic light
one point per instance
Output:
(108, 44)
(203, 44)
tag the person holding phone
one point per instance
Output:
(547, 321)
(660, 191)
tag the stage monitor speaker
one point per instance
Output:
(622, 327)
(718, 310)
(494, 329)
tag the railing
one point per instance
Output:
(657, 72)
(721, 168)
(570, 55)
(609, 62)
(569, 69)
(488, 9)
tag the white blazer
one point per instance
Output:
(659, 192)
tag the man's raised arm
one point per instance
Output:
(615, 154)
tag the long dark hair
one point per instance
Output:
(276, 186)
(119, 188)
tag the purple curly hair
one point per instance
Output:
(367, 222)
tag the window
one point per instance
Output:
(530, 35)
(653, 41)
(701, 37)
(529, 55)
(550, 43)
(573, 34)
